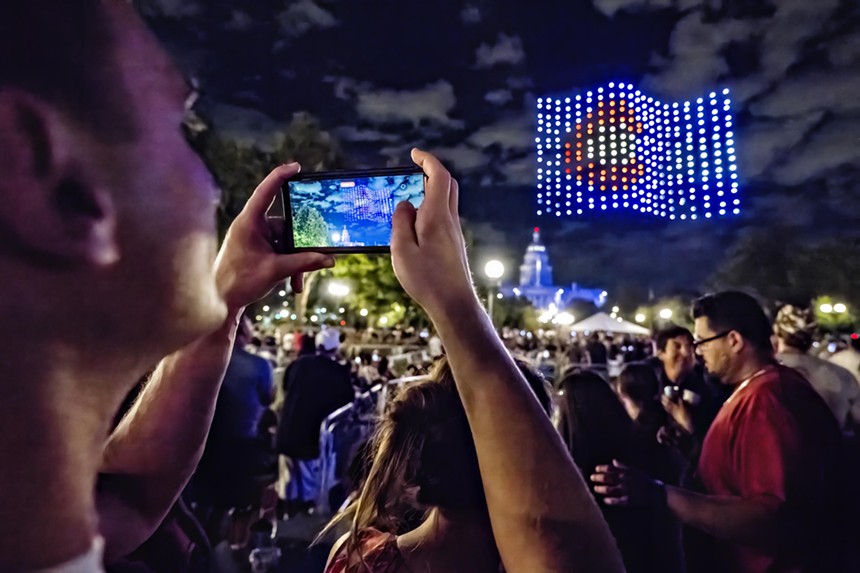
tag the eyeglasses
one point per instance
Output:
(698, 343)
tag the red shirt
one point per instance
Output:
(775, 440)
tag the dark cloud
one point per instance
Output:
(461, 80)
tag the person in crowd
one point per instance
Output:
(598, 355)
(769, 467)
(597, 430)
(794, 328)
(314, 387)
(237, 454)
(423, 462)
(691, 400)
(434, 346)
(849, 358)
(639, 390)
(539, 516)
(108, 261)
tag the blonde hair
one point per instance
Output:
(423, 456)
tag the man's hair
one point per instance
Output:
(738, 311)
(62, 51)
(667, 334)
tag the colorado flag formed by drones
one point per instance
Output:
(616, 148)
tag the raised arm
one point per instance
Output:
(155, 449)
(542, 514)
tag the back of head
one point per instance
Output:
(638, 381)
(795, 326)
(594, 424)
(423, 453)
(738, 311)
(667, 334)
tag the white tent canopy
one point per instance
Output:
(603, 322)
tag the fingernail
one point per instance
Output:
(293, 165)
(330, 262)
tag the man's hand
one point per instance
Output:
(624, 486)
(680, 411)
(427, 247)
(248, 267)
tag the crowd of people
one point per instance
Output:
(129, 386)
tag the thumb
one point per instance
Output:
(403, 234)
(284, 266)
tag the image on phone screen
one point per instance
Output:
(349, 212)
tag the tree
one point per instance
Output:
(778, 266)
(239, 168)
(374, 287)
(309, 228)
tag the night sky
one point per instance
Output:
(461, 80)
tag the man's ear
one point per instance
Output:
(735, 341)
(53, 208)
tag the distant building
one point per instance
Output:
(537, 286)
(342, 239)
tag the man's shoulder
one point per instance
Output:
(785, 390)
(815, 367)
(839, 371)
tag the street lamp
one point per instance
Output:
(640, 318)
(494, 269)
(666, 313)
(564, 319)
(839, 308)
(337, 289)
(826, 308)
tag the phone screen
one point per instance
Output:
(349, 211)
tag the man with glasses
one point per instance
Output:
(768, 471)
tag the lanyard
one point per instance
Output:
(744, 384)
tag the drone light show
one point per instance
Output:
(615, 148)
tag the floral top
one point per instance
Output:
(378, 553)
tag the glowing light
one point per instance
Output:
(363, 312)
(640, 318)
(632, 143)
(338, 289)
(564, 319)
(839, 308)
(666, 313)
(495, 269)
(826, 308)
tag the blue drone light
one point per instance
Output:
(616, 148)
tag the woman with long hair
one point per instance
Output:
(540, 516)
(422, 504)
(598, 431)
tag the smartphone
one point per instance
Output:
(347, 211)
